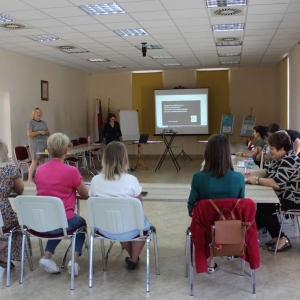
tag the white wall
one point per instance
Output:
(66, 110)
(294, 89)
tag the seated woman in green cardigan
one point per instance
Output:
(217, 179)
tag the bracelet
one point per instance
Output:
(257, 181)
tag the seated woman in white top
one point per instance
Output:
(114, 181)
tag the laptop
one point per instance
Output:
(143, 138)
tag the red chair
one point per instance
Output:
(83, 140)
(22, 159)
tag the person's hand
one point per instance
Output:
(251, 180)
(239, 153)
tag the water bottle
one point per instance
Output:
(250, 163)
(89, 140)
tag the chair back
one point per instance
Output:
(83, 140)
(75, 143)
(115, 214)
(41, 213)
(21, 153)
(1, 223)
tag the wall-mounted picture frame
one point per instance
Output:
(44, 90)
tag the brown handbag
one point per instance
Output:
(227, 235)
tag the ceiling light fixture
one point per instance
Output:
(116, 67)
(227, 12)
(224, 3)
(98, 59)
(71, 49)
(102, 9)
(230, 62)
(172, 65)
(43, 37)
(228, 27)
(6, 19)
(229, 41)
(12, 26)
(131, 32)
(229, 54)
(162, 56)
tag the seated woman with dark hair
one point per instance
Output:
(217, 179)
(113, 181)
(283, 175)
(259, 133)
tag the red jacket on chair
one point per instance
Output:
(206, 214)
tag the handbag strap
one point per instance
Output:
(208, 233)
(221, 212)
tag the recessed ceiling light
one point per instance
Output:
(116, 67)
(162, 56)
(6, 19)
(102, 9)
(131, 32)
(228, 27)
(150, 47)
(227, 12)
(43, 37)
(172, 65)
(229, 41)
(12, 26)
(98, 59)
(72, 49)
(229, 54)
(222, 3)
(230, 62)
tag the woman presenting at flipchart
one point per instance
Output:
(112, 131)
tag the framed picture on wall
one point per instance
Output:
(44, 90)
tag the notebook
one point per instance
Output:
(144, 138)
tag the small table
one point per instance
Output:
(168, 144)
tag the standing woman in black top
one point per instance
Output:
(112, 131)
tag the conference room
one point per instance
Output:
(266, 83)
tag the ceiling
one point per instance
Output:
(182, 27)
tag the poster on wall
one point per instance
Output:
(227, 124)
(247, 126)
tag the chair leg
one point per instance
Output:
(28, 255)
(253, 281)
(65, 255)
(111, 243)
(24, 236)
(243, 263)
(191, 265)
(91, 253)
(41, 247)
(103, 254)
(148, 265)
(73, 262)
(156, 256)
(187, 239)
(275, 252)
(8, 259)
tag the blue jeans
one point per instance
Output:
(73, 223)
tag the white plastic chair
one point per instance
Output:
(117, 215)
(40, 214)
(8, 233)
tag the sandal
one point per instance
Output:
(271, 243)
(4, 265)
(285, 247)
(212, 269)
(130, 264)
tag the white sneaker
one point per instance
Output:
(49, 265)
(76, 268)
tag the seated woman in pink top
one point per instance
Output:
(57, 179)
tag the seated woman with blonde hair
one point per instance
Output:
(114, 181)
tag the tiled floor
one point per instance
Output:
(277, 278)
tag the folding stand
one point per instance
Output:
(168, 144)
(183, 154)
(140, 162)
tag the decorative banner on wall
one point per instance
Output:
(247, 126)
(227, 124)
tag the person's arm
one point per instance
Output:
(83, 190)
(18, 186)
(262, 173)
(139, 197)
(119, 132)
(297, 146)
(194, 196)
(263, 181)
(242, 191)
(32, 134)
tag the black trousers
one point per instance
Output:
(265, 215)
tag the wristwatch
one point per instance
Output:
(257, 180)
